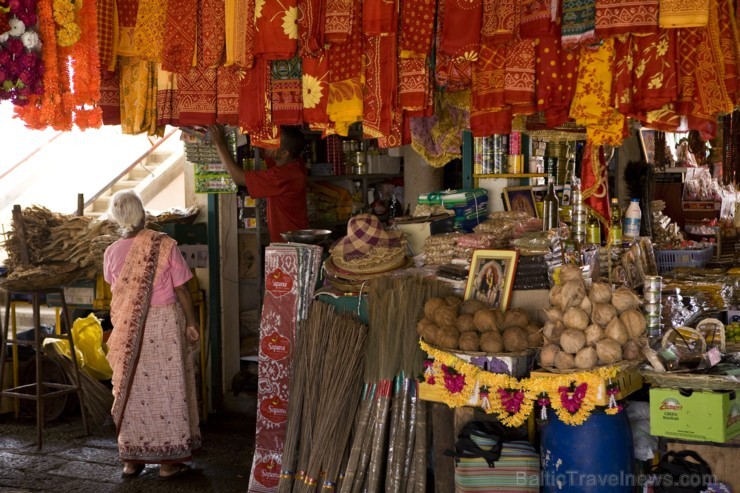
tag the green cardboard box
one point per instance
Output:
(712, 416)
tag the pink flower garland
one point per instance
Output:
(511, 400)
(454, 381)
(21, 68)
(572, 403)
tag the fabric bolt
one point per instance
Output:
(451, 73)
(683, 13)
(556, 76)
(126, 13)
(107, 33)
(284, 187)
(379, 16)
(413, 83)
(276, 29)
(489, 77)
(339, 19)
(315, 88)
(578, 22)
(196, 96)
(617, 17)
(227, 94)
(110, 97)
(252, 89)
(500, 21)
(149, 30)
(592, 105)
(381, 85)
(212, 28)
(138, 93)
(519, 83)
(285, 90)
(345, 71)
(311, 15)
(539, 18)
(180, 36)
(417, 28)
(458, 42)
(168, 111)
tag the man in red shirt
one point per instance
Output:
(283, 183)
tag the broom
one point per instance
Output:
(98, 397)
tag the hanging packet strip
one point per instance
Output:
(453, 198)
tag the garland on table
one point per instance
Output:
(572, 396)
(21, 68)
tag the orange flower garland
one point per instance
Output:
(86, 66)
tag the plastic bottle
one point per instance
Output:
(632, 217)
(550, 208)
(615, 229)
(593, 232)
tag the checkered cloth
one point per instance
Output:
(366, 237)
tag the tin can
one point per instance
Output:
(651, 297)
(551, 166)
(651, 309)
(653, 321)
(653, 283)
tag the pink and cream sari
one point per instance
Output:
(155, 408)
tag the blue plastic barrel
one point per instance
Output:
(594, 457)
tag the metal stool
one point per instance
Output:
(40, 386)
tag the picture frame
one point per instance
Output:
(647, 143)
(539, 192)
(491, 277)
(520, 199)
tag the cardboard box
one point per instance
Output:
(196, 256)
(712, 416)
(418, 230)
(628, 378)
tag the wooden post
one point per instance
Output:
(443, 438)
(20, 231)
(80, 204)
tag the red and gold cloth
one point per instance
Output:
(413, 83)
(594, 182)
(519, 90)
(461, 28)
(379, 16)
(168, 111)
(450, 72)
(149, 30)
(227, 94)
(500, 21)
(246, 59)
(276, 27)
(381, 85)
(285, 90)
(730, 48)
(311, 15)
(253, 92)
(345, 77)
(488, 122)
(138, 96)
(684, 13)
(212, 29)
(107, 33)
(315, 87)
(339, 19)
(556, 76)
(578, 21)
(127, 11)
(489, 76)
(539, 18)
(417, 28)
(239, 32)
(617, 17)
(180, 36)
(110, 100)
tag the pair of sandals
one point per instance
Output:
(139, 468)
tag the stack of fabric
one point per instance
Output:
(368, 251)
(469, 205)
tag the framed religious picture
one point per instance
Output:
(491, 277)
(520, 199)
(647, 143)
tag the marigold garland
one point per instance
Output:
(572, 396)
(68, 32)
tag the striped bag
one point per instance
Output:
(487, 459)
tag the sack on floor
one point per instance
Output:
(488, 458)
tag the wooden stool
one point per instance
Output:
(43, 390)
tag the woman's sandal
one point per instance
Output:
(138, 469)
(181, 470)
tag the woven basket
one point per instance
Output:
(42, 277)
(685, 337)
(713, 332)
(456, 352)
(621, 365)
(686, 380)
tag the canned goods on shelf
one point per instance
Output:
(651, 309)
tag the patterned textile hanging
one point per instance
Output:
(556, 75)
(617, 17)
(381, 85)
(683, 13)
(345, 71)
(315, 87)
(180, 36)
(578, 23)
(276, 27)
(151, 19)
(500, 21)
(285, 89)
(539, 18)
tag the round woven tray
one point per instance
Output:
(625, 363)
(685, 380)
(41, 280)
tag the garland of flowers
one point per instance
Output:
(572, 396)
(68, 32)
(85, 71)
(21, 68)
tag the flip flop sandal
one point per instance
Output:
(138, 470)
(184, 469)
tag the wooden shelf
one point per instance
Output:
(512, 175)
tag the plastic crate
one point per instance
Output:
(670, 259)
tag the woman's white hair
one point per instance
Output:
(127, 209)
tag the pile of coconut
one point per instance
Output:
(591, 327)
(471, 325)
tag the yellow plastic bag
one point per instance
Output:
(90, 350)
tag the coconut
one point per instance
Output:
(500, 317)
(534, 336)
(515, 318)
(555, 295)
(572, 340)
(485, 321)
(570, 272)
(431, 306)
(586, 305)
(632, 350)
(575, 318)
(609, 351)
(593, 333)
(586, 358)
(447, 337)
(445, 315)
(420, 325)
(472, 306)
(600, 292)
(491, 342)
(564, 361)
(554, 314)
(553, 331)
(464, 323)
(430, 333)
(617, 331)
(515, 339)
(603, 313)
(635, 322)
(469, 341)
(624, 299)
(572, 294)
(547, 355)
(453, 301)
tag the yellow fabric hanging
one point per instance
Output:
(138, 96)
(149, 30)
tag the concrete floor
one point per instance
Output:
(72, 462)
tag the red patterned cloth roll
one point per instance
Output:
(617, 17)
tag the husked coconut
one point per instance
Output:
(553, 330)
(491, 342)
(570, 272)
(600, 292)
(485, 321)
(624, 299)
(586, 305)
(555, 295)
(586, 358)
(554, 314)
(635, 322)
(472, 306)
(609, 351)
(572, 294)
(515, 339)
(448, 337)
(603, 313)
(535, 337)
(469, 341)
(564, 361)
(593, 333)
(575, 318)
(430, 332)
(617, 331)
(453, 301)
(464, 323)
(548, 353)
(572, 340)
(632, 349)
(445, 315)
(431, 306)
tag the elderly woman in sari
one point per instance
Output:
(154, 329)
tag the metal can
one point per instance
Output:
(551, 166)
(652, 297)
(653, 283)
(651, 309)
(653, 321)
